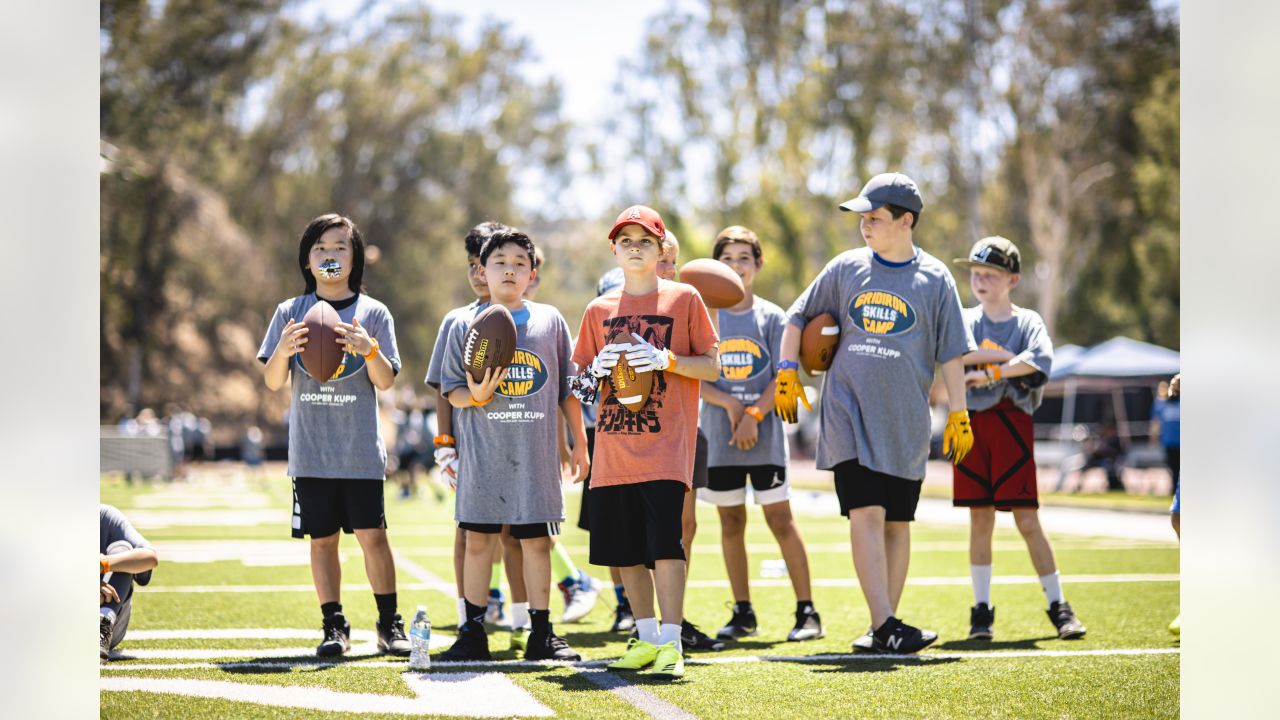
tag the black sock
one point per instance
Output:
(883, 630)
(541, 620)
(330, 609)
(743, 606)
(386, 607)
(805, 606)
(475, 616)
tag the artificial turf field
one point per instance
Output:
(227, 626)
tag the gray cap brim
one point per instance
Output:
(967, 263)
(859, 205)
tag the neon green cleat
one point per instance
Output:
(639, 654)
(1175, 627)
(669, 663)
(519, 639)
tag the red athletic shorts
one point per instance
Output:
(1000, 470)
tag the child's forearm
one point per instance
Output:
(381, 374)
(716, 396)
(699, 367)
(460, 398)
(444, 414)
(572, 411)
(790, 349)
(986, 356)
(953, 379)
(276, 373)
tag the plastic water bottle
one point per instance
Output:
(773, 568)
(420, 640)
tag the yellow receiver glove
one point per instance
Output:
(957, 439)
(786, 392)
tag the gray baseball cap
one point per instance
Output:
(995, 252)
(886, 189)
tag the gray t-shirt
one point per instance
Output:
(750, 342)
(1024, 335)
(508, 456)
(113, 526)
(896, 323)
(435, 366)
(333, 426)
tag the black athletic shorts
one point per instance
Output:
(322, 506)
(529, 531)
(637, 524)
(727, 485)
(858, 486)
(584, 513)
(700, 461)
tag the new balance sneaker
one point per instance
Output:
(520, 639)
(694, 639)
(472, 644)
(1175, 627)
(391, 639)
(742, 624)
(808, 626)
(897, 637)
(550, 647)
(1064, 619)
(494, 614)
(865, 642)
(639, 654)
(981, 617)
(104, 638)
(623, 620)
(337, 636)
(668, 663)
(579, 598)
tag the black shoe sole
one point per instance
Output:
(331, 653)
(398, 653)
(980, 635)
(1072, 635)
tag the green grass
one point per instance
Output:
(1129, 615)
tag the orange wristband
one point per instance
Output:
(672, 357)
(477, 403)
(754, 412)
(374, 352)
(444, 441)
(995, 372)
(104, 566)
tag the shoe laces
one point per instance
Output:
(397, 629)
(334, 630)
(555, 642)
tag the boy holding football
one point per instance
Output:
(644, 458)
(899, 316)
(508, 451)
(1012, 362)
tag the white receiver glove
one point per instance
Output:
(604, 362)
(447, 459)
(646, 358)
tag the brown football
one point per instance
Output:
(631, 388)
(818, 344)
(490, 341)
(322, 355)
(717, 283)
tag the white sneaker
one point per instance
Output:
(580, 599)
(808, 626)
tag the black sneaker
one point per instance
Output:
(104, 638)
(471, 645)
(550, 647)
(337, 636)
(742, 624)
(899, 638)
(865, 642)
(1063, 618)
(808, 626)
(981, 617)
(623, 620)
(392, 639)
(694, 639)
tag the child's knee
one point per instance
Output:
(733, 520)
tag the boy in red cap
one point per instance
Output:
(643, 460)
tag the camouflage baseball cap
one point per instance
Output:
(996, 252)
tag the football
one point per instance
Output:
(631, 388)
(322, 355)
(818, 344)
(719, 286)
(490, 341)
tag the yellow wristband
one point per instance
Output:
(374, 352)
(104, 566)
(754, 412)
(477, 403)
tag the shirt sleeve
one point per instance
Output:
(702, 334)
(385, 333)
(954, 338)
(274, 331)
(451, 374)
(120, 528)
(1038, 354)
(436, 366)
(822, 296)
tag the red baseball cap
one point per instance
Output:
(644, 216)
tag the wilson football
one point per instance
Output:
(631, 388)
(322, 355)
(818, 344)
(717, 283)
(490, 341)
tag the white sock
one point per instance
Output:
(981, 575)
(520, 616)
(462, 612)
(670, 633)
(1052, 585)
(647, 628)
(109, 614)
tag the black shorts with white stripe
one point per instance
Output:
(530, 531)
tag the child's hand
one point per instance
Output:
(447, 459)
(644, 357)
(292, 338)
(482, 392)
(735, 411)
(604, 362)
(353, 338)
(746, 433)
(976, 378)
(107, 594)
(581, 463)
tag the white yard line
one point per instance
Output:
(353, 587)
(423, 575)
(639, 698)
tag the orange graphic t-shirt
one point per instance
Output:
(656, 443)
